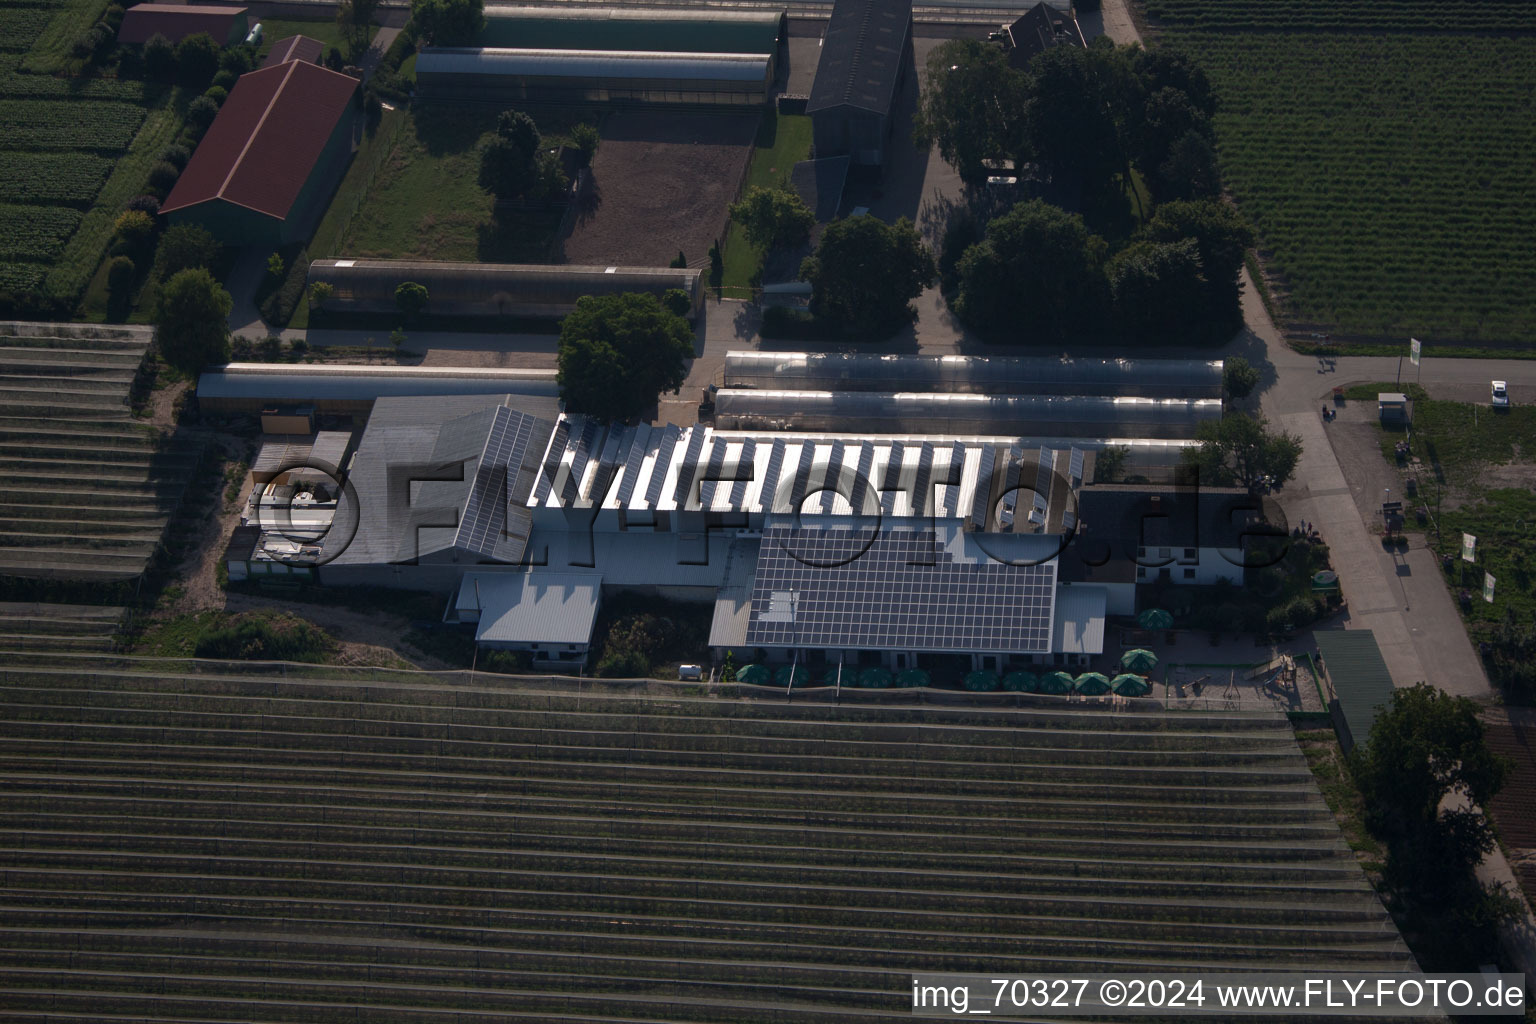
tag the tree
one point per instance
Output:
(1035, 277)
(396, 340)
(1239, 449)
(320, 293)
(184, 247)
(679, 262)
(200, 114)
(1071, 127)
(411, 298)
(120, 273)
(191, 313)
(865, 273)
(353, 18)
(773, 217)
(675, 300)
(1168, 118)
(509, 163)
(446, 22)
(1157, 291)
(134, 235)
(1191, 170)
(586, 138)
(617, 353)
(159, 59)
(162, 177)
(1240, 377)
(1223, 238)
(972, 106)
(197, 58)
(275, 266)
(1424, 746)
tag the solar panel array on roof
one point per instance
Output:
(829, 487)
(769, 490)
(922, 485)
(744, 470)
(557, 445)
(874, 588)
(485, 512)
(632, 465)
(689, 467)
(802, 481)
(659, 469)
(861, 478)
(709, 481)
(982, 499)
(581, 455)
(891, 485)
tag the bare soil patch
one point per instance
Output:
(661, 182)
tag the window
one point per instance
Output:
(1189, 552)
(1165, 553)
(1141, 573)
(1189, 574)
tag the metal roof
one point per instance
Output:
(294, 48)
(992, 375)
(315, 382)
(861, 55)
(1359, 674)
(176, 22)
(263, 146)
(595, 65)
(1079, 625)
(531, 607)
(1097, 416)
(323, 450)
(665, 29)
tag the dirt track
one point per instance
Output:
(661, 182)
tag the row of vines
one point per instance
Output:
(1388, 175)
(1332, 15)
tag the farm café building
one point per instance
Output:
(268, 164)
(492, 289)
(227, 25)
(864, 57)
(594, 76)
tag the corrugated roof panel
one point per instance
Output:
(1079, 619)
(594, 65)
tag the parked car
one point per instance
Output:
(1500, 397)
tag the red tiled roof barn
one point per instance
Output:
(227, 25)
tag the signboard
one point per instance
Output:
(1413, 350)
(1488, 587)
(1468, 548)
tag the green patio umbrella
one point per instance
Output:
(1139, 661)
(1092, 684)
(829, 677)
(1154, 618)
(981, 682)
(1056, 682)
(875, 678)
(791, 676)
(1127, 685)
(912, 677)
(1021, 682)
(757, 675)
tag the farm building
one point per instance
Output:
(492, 289)
(227, 25)
(864, 58)
(593, 76)
(263, 173)
(662, 29)
(1037, 30)
(295, 48)
(255, 387)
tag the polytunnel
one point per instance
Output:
(492, 289)
(873, 412)
(989, 375)
(594, 76)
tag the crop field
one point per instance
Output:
(81, 124)
(73, 151)
(1377, 15)
(73, 178)
(1387, 173)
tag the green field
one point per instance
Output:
(425, 201)
(782, 141)
(73, 151)
(326, 32)
(1388, 174)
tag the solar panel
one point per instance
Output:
(659, 467)
(743, 473)
(922, 486)
(688, 469)
(768, 492)
(583, 455)
(802, 479)
(632, 464)
(956, 475)
(608, 464)
(1075, 468)
(892, 482)
(860, 492)
(1011, 476)
(981, 498)
(867, 587)
(830, 484)
(709, 480)
(1043, 477)
(485, 510)
(557, 445)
